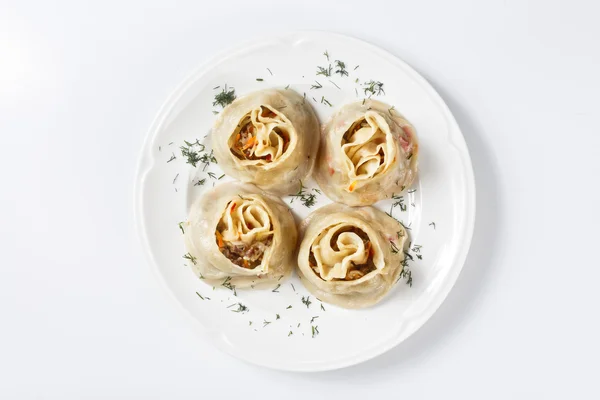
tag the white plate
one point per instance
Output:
(445, 196)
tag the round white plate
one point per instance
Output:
(440, 206)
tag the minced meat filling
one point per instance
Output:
(246, 256)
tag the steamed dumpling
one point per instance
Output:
(269, 138)
(350, 257)
(368, 152)
(239, 232)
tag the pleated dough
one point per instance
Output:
(269, 138)
(368, 152)
(349, 256)
(237, 232)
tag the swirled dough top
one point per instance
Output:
(269, 138)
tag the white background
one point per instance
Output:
(81, 315)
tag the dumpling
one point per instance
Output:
(269, 138)
(239, 234)
(368, 152)
(350, 257)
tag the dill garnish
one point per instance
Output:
(313, 318)
(340, 68)
(287, 87)
(412, 191)
(325, 101)
(203, 297)
(260, 79)
(225, 97)
(334, 84)
(212, 175)
(306, 301)
(270, 71)
(374, 87)
(241, 308)
(432, 224)
(392, 108)
(395, 248)
(406, 274)
(307, 198)
(324, 71)
(290, 333)
(277, 316)
(227, 284)
(317, 86)
(175, 179)
(322, 308)
(219, 178)
(293, 288)
(172, 158)
(192, 151)
(190, 257)
(276, 290)
(200, 182)
(356, 67)
(181, 227)
(315, 331)
(326, 54)
(288, 307)
(265, 323)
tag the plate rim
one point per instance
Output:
(455, 136)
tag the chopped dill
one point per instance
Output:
(322, 308)
(326, 54)
(293, 288)
(317, 86)
(325, 101)
(412, 191)
(172, 158)
(225, 97)
(307, 198)
(356, 67)
(260, 79)
(241, 308)
(276, 290)
(324, 71)
(395, 248)
(175, 179)
(203, 297)
(181, 227)
(212, 175)
(306, 301)
(290, 333)
(190, 257)
(313, 318)
(340, 68)
(287, 87)
(432, 224)
(392, 108)
(288, 307)
(315, 331)
(227, 284)
(270, 71)
(277, 317)
(334, 84)
(373, 87)
(200, 182)
(219, 178)
(265, 323)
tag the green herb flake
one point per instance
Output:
(190, 257)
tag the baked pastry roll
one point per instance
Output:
(238, 233)
(350, 257)
(368, 152)
(269, 138)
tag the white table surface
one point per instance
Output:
(81, 315)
